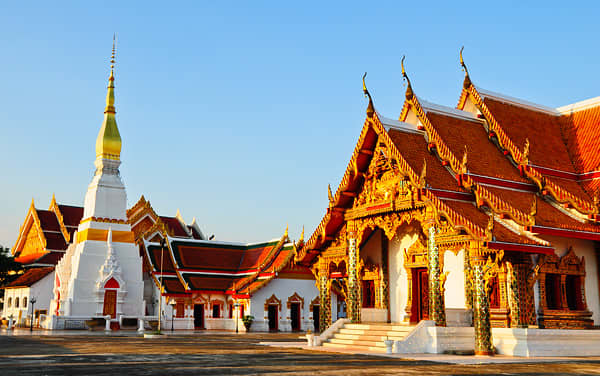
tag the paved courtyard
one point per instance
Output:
(83, 353)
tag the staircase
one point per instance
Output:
(367, 337)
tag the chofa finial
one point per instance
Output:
(409, 91)
(467, 81)
(370, 108)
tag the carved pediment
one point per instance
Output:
(384, 181)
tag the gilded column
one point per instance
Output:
(325, 300)
(437, 311)
(385, 291)
(353, 303)
(517, 318)
(481, 307)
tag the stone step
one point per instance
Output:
(375, 332)
(354, 348)
(378, 326)
(394, 337)
(357, 342)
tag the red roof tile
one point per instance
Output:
(483, 157)
(175, 227)
(580, 129)
(71, 214)
(547, 147)
(31, 276)
(48, 220)
(50, 258)
(55, 241)
(413, 148)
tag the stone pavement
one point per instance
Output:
(210, 353)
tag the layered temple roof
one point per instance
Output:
(46, 234)
(502, 170)
(190, 266)
(189, 263)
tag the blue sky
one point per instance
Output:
(241, 113)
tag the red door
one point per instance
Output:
(420, 295)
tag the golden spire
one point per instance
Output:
(409, 91)
(370, 108)
(108, 143)
(467, 81)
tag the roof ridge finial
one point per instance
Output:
(370, 108)
(467, 81)
(409, 91)
(114, 51)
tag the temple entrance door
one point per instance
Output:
(316, 318)
(420, 295)
(199, 316)
(110, 303)
(273, 319)
(295, 316)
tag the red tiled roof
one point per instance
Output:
(175, 226)
(31, 276)
(501, 233)
(71, 215)
(413, 148)
(205, 282)
(55, 241)
(206, 257)
(173, 286)
(543, 130)
(48, 220)
(50, 258)
(483, 157)
(580, 130)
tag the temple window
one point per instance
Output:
(562, 292)
(16, 302)
(230, 310)
(553, 291)
(216, 311)
(9, 302)
(24, 304)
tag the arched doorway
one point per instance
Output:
(110, 298)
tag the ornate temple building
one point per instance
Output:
(102, 261)
(486, 214)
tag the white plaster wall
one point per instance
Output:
(455, 281)
(405, 237)
(283, 289)
(41, 290)
(586, 249)
(12, 294)
(88, 259)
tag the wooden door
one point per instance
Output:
(316, 318)
(110, 303)
(421, 294)
(295, 316)
(199, 316)
(273, 319)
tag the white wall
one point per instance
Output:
(41, 290)
(455, 282)
(283, 289)
(405, 237)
